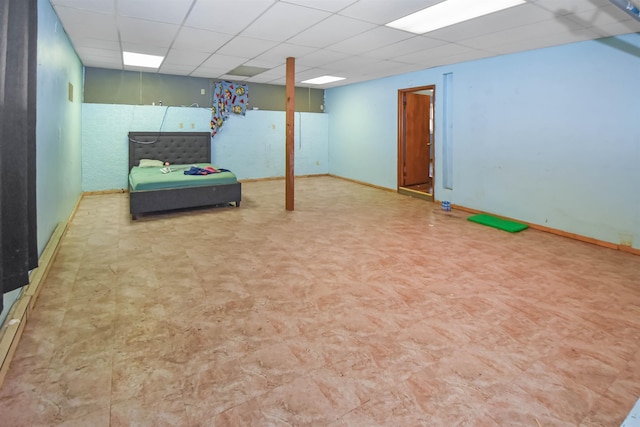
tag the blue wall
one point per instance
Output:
(58, 145)
(548, 136)
(253, 146)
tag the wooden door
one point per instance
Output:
(417, 138)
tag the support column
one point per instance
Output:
(291, 106)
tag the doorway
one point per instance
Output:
(416, 148)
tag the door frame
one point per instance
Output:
(401, 132)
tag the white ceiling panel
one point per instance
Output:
(321, 57)
(223, 61)
(172, 12)
(246, 47)
(105, 6)
(569, 6)
(208, 38)
(353, 63)
(616, 28)
(80, 23)
(328, 5)
(427, 55)
(104, 54)
(144, 48)
(185, 57)
(283, 21)
(382, 12)
(527, 32)
(332, 30)
(176, 69)
(147, 32)
(510, 18)
(281, 52)
(210, 73)
(225, 16)
(404, 47)
(100, 62)
(97, 44)
(543, 41)
(370, 40)
(198, 40)
(606, 15)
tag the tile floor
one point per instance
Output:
(360, 308)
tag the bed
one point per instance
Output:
(181, 150)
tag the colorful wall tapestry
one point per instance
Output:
(227, 98)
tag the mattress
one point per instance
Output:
(153, 178)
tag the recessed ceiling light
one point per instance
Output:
(450, 12)
(142, 60)
(323, 80)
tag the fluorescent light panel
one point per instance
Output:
(142, 60)
(323, 80)
(450, 12)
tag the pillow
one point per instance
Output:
(148, 163)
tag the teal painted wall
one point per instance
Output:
(548, 136)
(58, 145)
(253, 146)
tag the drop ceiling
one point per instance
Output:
(346, 38)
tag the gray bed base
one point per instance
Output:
(176, 148)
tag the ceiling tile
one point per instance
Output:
(332, 30)
(370, 40)
(328, 5)
(178, 70)
(147, 32)
(353, 63)
(144, 48)
(424, 56)
(562, 7)
(105, 6)
(246, 47)
(329, 36)
(208, 72)
(198, 40)
(321, 57)
(173, 11)
(404, 47)
(510, 18)
(223, 61)
(522, 33)
(546, 40)
(185, 57)
(226, 16)
(100, 62)
(104, 54)
(615, 28)
(283, 21)
(81, 23)
(605, 15)
(382, 12)
(283, 51)
(97, 43)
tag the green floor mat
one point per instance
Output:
(499, 223)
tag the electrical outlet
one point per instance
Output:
(181, 125)
(202, 92)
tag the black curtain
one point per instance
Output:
(18, 61)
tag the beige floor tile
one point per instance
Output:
(360, 308)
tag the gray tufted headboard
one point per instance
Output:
(173, 147)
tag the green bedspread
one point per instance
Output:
(154, 179)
